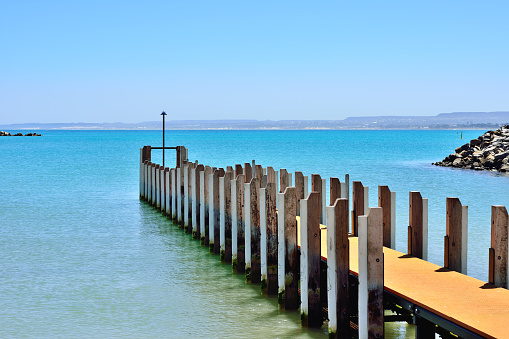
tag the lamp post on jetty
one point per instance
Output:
(164, 115)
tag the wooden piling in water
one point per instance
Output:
(310, 246)
(173, 188)
(259, 174)
(387, 200)
(238, 225)
(253, 272)
(455, 240)
(498, 253)
(283, 180)
(359, 204)
(271, 175)
(214, 213)
(147, 181)
(185, 198)
(418, 226)
(238, 170)
(152, 183)
(189, 209)
(167, 189)
(269, 245)
(371, 274)
(157, 200)
(248, 172)
(163, 190)
(299, 189)
(141, 173)
(288, 258)
(182, 196)
(194, 195)
(335, 190)
(204, 206)
(317, 186)
(228, 177)
(338, 268)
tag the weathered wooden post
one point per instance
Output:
(455, 240)
(299, 189)
(259, 174)
(418, 226)
(204, 206)
(271, 175)
(335, 191)
(179, 196)
(222, 220)
(147, 181)
(248, 172)
(163, 190)
(310, 245)
(141, 174)
(387, 200)
(252, 213)
(238, 170)
(153, 184)
(371, 274)
(227, 257)
(338, 268)
(269, 239)
(498, 254)
(288, 259)
(283, 180)
(360, 204)
(182, 199)
(238, 226)
(167, 184)
(185, 169)
(174, 198)
(189, 209)
(214, 213)
(317, 186)
(195, 197)
(157, 202)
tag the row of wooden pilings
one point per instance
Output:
(249, 215)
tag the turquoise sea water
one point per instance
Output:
(81, 256)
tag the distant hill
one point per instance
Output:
(462, 120)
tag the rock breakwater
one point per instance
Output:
(7, 134)
(489, 152)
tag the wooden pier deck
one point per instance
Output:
(466, 302)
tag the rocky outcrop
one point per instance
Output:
(7, 134)
(489, 152)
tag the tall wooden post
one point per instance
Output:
(185, 211)
(271, 175)
(141, 174)
(269, 248)
(163, 190)
(238, 225)
(316, 186)
(418, 226)
(238, 170)
(248, 172)
(299, 189)
(259, 174)
(387, 200)
(310, 239)
(288, 258)
(358, 205)
(371, 274)
(205, 206)
(189, 209)
(214, 213)
(168, 191)
(147, 181)
(173, 174)
(455, 240)
(283, 180)
(335, 190)
(228, 177)
(182, 194)
(498, 270)
(253, 273)
(338, 268)
(196, 216)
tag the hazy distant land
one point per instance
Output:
(458, 120)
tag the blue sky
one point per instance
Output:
(110, 61)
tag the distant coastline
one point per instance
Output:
(457, 120)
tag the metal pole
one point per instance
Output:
(164, 115)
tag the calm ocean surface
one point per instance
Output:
(81, 256)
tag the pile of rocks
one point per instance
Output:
(7, 134)
(489, 152)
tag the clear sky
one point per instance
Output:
(126, 61)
